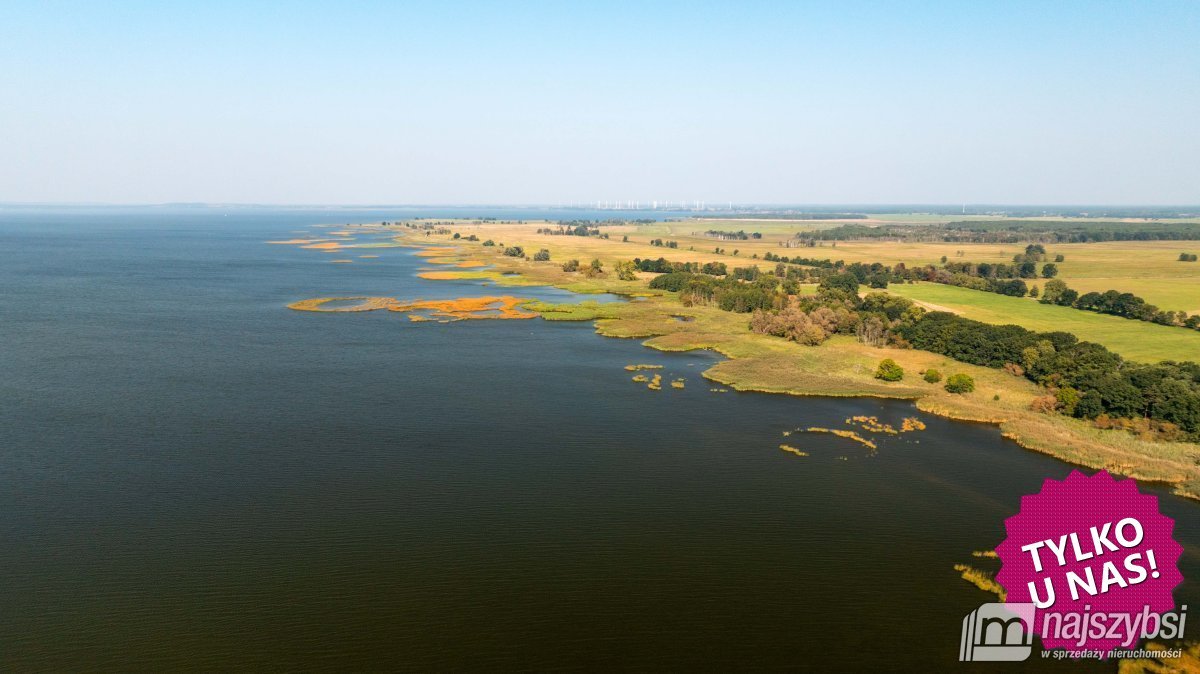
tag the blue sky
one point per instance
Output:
(462, 102)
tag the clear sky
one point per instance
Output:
(549, 102)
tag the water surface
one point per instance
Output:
(194, 477)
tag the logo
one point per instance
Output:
(997, 633)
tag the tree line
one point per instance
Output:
(1085, 380)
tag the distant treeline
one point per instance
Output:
(1013, 231)
(739, 235)
(787, 215)
(663, 266)
(1079, 232)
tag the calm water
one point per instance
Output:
(194, 477)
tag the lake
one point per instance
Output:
(193, 476)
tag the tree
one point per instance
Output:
(626, 271)
(1068, 399)
(514, 251)
(542, 255)
(1033, 291)
(1059, 258)
(1049, 270)
(889, 370)
(932, 376)
(960, 383)
(1054, 292)
(489, 242)
(571, 265)
(846, 281)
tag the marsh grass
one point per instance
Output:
(981, 579)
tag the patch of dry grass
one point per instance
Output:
(981, 579)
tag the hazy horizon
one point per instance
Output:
(466, 103)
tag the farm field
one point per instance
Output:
(1135, 340)
(1148, 269)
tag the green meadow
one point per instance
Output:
(1135, 340)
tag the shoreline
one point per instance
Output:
(839, 368)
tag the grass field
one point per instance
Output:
(1135, 340)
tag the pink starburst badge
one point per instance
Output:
(1096, 558)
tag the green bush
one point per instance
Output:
(933, 376)
(960, 383)
(541, 256)
(889, 370)
(571, 265)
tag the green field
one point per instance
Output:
(1135, 340)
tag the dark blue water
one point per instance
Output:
(193, 476)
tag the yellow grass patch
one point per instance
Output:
(678, 383)
(793, 450)
(641, 366)
(368, 257)
(464, 308)
(342, 261)
(871, 425)
(441, 275)
(656, 383)
(849, 435)
(912, 424)
(362, 304)
(981, 579)
(327, 245)
(641, 378)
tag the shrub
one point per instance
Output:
(514, 251)
(1014, 369)
(889, 370)
(626, 271)
(1067, 398)
(489, 242)
(1044, 404)
(933, 376)
(960, 383)
(541, 256)
(594, 269)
